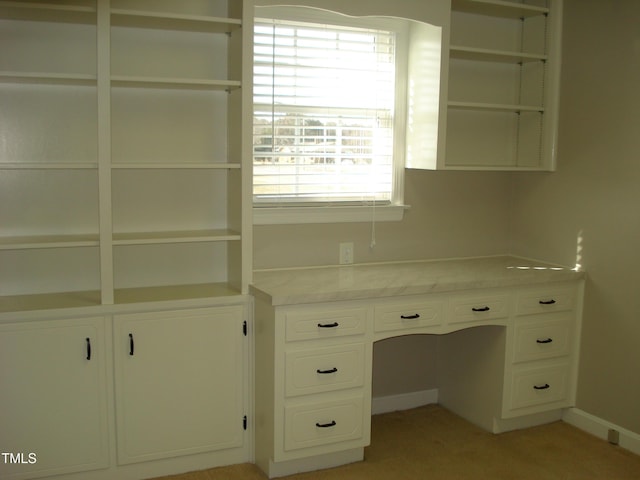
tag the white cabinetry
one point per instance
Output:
(122, 152)
(506, 358)
(179, 382)
(181, 392)
(122, 192)
(53, 397)
(314, 372)
(504, 60)
(49, 149)
(542, 373)
(175, 146)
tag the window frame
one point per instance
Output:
(366, 211)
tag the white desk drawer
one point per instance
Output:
(540, 340)
(324, 369)
(313, 323)
(409, 316)
(539, 386)
(324, 423)
(477, 308)
(545, 300)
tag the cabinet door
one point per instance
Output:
(179, 378)
(53, 416)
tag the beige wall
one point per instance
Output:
(595, 195)
(596, 191)
(452, 214)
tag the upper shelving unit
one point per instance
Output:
(48, 155)
(123, 161)
(174, 85)
(503, 84)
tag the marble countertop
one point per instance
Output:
(363, 281)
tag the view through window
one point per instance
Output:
(324, 109)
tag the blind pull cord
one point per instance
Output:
(373, 225)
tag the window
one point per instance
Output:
(329, 112)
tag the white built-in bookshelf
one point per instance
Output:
(503, 84)
(121, 174)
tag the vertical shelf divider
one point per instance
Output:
(104, 150)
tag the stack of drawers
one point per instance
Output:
(542, 366)
(325, 381)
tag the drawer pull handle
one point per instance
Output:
(410, 317)
(88, 348)
(542, 387)
(481, 309)
(325, 372)
(332, 423)
(544, 340)
(328, 325)
(131, 344)
(547, 302)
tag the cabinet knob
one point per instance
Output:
(547, 302)
(131, 344)
(410, 317)
(88, 340)
(544, 340)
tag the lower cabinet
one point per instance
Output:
(179, 388)
(53, 397)
(313, 386)
(180, 380)
(541, 366)
(324, 403)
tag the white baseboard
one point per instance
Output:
(404, 401)
(600, 428)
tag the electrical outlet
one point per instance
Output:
(346, 253)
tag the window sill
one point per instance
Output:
(328, 214)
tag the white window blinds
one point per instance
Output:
(323, 113)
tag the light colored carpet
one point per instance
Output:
(432, 443)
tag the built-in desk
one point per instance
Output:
(315, 330)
